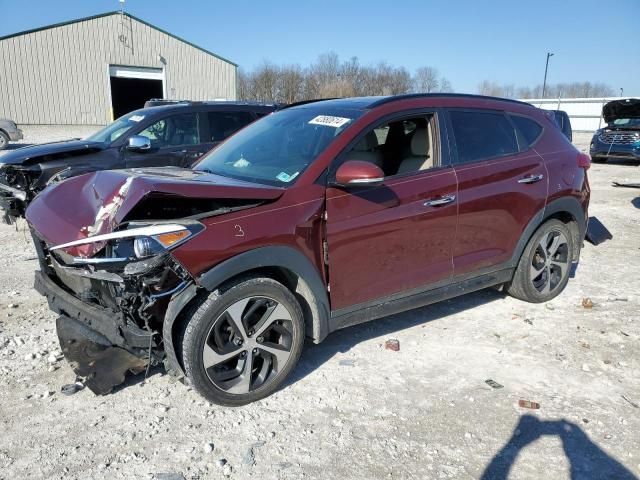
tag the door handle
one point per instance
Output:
(440, 201)
(531, 179)
(178, 151)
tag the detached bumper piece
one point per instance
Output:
(100, 365)
(597, 233)
(95, 346)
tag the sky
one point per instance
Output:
(468, 41)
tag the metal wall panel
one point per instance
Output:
(585, 113)
(60, 75)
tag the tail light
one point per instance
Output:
(584, 160)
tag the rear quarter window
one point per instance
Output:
(482, 135)
(529, 128)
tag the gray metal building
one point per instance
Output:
(91, 70)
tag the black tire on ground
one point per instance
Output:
(250, 325)
(599, 159)
(543, 270)
(4, 140)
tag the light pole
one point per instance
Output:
(544, 84)
(621, 91)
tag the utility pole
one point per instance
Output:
(621, 91)
(544, 84)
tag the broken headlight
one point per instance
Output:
(137, 242)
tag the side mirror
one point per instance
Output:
(138, 143)
(358, 173)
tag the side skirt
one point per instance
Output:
(392, 305)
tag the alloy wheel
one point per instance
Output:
(550, 262)
(248, 345)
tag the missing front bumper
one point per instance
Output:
(100, 365)
(99, 350)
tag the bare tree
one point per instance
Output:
(426, 80)
(265, 82)
(445, 86)
(291, 84)
(244, 85)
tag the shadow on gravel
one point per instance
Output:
(586, 459)
(138, 379)
(313, 356)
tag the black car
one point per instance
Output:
(564, 123)
(621, 137)
(174, 134)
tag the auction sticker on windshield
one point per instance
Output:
(329, 121)
(136, 118)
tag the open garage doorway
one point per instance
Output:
(132, 86)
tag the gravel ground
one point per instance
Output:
(52, 133)
(352, 408)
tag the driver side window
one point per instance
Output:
(173, 131)
(400, 147)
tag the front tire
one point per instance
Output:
(545, 265)
(243, 341)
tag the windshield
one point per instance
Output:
(278, 148)
(626, 123)
(118, 128)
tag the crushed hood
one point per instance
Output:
(96, 203)
(628, 108)
(34, 153)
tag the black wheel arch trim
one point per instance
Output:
(568, 205)
(281, 257)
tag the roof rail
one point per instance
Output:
(407, 96)
(305, 102)
(157, 102)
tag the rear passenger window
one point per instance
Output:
(225, 124)
(529, 128)
(482, 135)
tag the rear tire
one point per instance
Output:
(243, 341)
(4, 140)
(544, 267)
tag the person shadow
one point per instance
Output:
(587, 460)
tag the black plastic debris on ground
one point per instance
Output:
(597, 232)
(493, 384)
(626, 185)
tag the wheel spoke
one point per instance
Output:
(243, 383)
(555, 243)
(544, 245)
(235, 312)
(210, 357)
(547, 283)
(562, 266)
(536, 272)
(279, 352)
(270, 316)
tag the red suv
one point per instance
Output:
(314, 218)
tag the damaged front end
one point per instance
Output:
(112, 303)
(17, 189)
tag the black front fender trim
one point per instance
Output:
(309, 282)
